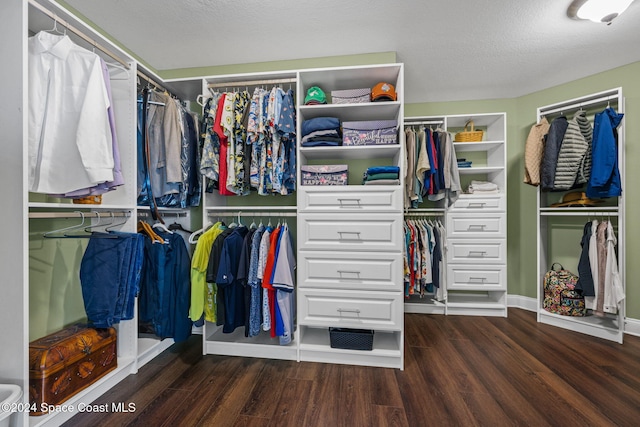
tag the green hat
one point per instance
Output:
(315, 95)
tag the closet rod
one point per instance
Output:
(424, 214)
(78, 214)
(79, 33)
(273, 214)
(151, 81)
(251, 83)
(588, 101)
(595, 214)
(423, 122)
(164, 213)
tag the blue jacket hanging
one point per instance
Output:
(605, 175)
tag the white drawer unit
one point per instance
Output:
(345, 199)
(347, 270)
(483, 225)
(350, 309)
(476, 277)
(476, 251)
(484, 203)
(363, 232)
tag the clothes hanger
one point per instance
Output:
(113, 225)
(50, 234)
(178, 227)
(162, 227)
(55, 29)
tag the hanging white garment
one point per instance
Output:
(613, 290)
(70, 141)
(590, 301)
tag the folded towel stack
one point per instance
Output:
(483, 187)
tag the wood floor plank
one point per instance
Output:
(291, 408)
(222, 371)
(229, 404)
(384, 387)
(458, 371)
(267, 390)
(324, 404)
(388, 416)
(354, 396)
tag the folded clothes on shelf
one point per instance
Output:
(321, 131)
(483, 187)
(383, 182)
(377, 173)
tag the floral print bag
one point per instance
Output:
(560, 293)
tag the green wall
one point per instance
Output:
(521, 115)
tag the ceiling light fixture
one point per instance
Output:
(598, 10)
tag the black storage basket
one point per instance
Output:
(351, 339)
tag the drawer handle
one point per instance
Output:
(477, 253)
(477, 204)
(477, 227)
(481, 279)
(356, 273)
(354, 233)
(349, 310)
(349, 205)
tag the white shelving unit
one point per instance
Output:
(553, 220)
(344, 230)
(476, 223)
(32, 214)
(216, 206)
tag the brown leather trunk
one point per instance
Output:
(63, 363)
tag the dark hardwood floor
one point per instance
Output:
(459, 371)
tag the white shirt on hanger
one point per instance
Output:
(70, 142)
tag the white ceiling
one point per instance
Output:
(452, 49)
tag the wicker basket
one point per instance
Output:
(469, 136)
(89, 200)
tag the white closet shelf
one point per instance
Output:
(236, 344)
(150, 347)
(352, 112)
(602, 327)
(481, 169)
(316, 347)
(477, 146)
(124, 368)
(79, 207)
(351, 152)
(249, 208)
(580, 211)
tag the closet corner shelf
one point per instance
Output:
(250, 208)
(477, 146)
(78, 207)
(580, 211)
(351, 152)
(364, 111)
(602, 327)
(124, 368)
(480, 169)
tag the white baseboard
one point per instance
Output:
(631, 326)
(525, 303)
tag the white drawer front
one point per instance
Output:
(345, 199)
(380, 232)
(476, 277)
(347, 270)
(476, 225)
(377, 310)
(495, 203)
(474, 251)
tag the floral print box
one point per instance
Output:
(378, 132)
(324, 174)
